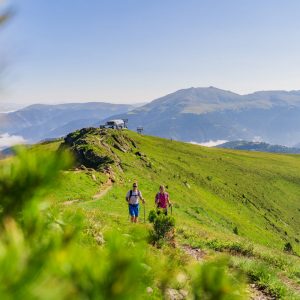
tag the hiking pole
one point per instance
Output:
(171, 206)
(144, 213)
(128, 214)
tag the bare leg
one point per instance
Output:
(132, 219)
(135, 219)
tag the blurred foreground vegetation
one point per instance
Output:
(56, 252)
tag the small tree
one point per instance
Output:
(163, 228)
(288, 247)
(235, 230)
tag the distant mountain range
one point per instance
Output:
(39, 122)
(203, 114)
(193, 114)
(259, 146)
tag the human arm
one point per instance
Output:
(156, 199)
(128, 196)
(141, 197)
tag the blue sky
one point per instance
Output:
(137, 50)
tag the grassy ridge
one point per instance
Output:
(215, 192)
(257, 193)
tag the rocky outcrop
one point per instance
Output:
(97, 148)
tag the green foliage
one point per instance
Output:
(264, 276)
(27, 247)
(235, 230)
(288, 247)
(26, 177)
(233, 247)
(163, 224)
(40, 254)
(152, 216)
(111, 273)
(163, 227)
(56, 267)
(212, 282)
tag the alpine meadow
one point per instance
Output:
(233, 232)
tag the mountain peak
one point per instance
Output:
(196, 100)
(206, 88)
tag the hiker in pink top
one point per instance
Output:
(162, 200)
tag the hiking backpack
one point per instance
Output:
(130, 194)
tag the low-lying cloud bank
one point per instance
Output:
(210, 143)
(7, 140)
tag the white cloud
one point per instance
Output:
(210, 143)
(7, 140)
(257, 139)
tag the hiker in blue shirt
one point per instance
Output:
(132, 197)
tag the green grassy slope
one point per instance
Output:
(217, 189)
(213, 192)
